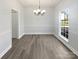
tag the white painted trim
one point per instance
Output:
(5, 51)
(21, 36)
(36, 33)
(64, 38)
(70, 47)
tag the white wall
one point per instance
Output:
(5, 24)
(72, 5)
(38, 24)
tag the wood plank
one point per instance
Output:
(39, 47)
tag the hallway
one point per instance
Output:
(39, 47)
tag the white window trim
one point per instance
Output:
(67, 40)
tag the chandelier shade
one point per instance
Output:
(43, 12)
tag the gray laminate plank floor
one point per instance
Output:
(38, 47)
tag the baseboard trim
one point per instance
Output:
(21, 36)
(5, 51)
(70, 47)
(37, 33)
(33, 34)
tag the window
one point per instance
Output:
(64, 25)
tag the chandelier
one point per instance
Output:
(39, 11)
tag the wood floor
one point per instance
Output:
(39, 47)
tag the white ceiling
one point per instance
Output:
(43, 3)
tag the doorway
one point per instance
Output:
(14, 23)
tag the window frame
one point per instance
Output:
(63, 17)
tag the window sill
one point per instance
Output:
(64, 38)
